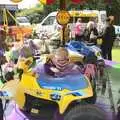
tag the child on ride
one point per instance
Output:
(59, 65)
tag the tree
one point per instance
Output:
(34, 14)
(111, 6)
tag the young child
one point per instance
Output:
(59, 65)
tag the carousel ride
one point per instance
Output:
(56, 92)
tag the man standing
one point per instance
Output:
(108, 39)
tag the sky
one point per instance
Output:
(23, 4)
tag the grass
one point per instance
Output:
(116, 54)
(114, 74)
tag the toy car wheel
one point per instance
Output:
(85, 112)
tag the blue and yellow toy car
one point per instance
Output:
(70, 95)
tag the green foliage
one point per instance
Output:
(36, 14)
(113, 9)
(26, 12)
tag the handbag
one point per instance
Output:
(92, 35)
(99, 41)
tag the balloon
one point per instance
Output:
(76, 1)
(48, 2)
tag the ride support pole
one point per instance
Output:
(63, 7)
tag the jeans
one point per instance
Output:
(107, 52)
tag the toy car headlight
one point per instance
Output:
(55, 96)
(98, 54)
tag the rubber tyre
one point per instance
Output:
(85, 112)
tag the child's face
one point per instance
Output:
(61, 59)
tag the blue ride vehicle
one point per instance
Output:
(91, 52)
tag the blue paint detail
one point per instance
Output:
(80, 47)
(70, 82)
(77, 94)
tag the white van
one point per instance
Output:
(49, 24)
(23, 21)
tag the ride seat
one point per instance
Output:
(90, 44)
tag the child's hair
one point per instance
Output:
(62, 51)
(79, 20)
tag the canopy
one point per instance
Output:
(77, 1)
(7, 2)
(52, 1)
(49, 1)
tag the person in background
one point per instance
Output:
(91, 33)
(33, 47)
(79, 30)
(108, 39)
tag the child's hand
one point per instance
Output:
(55, 70)
(35, 75)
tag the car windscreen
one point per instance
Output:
(49, 21)
(70, 82)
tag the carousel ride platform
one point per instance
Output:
(106, 101)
